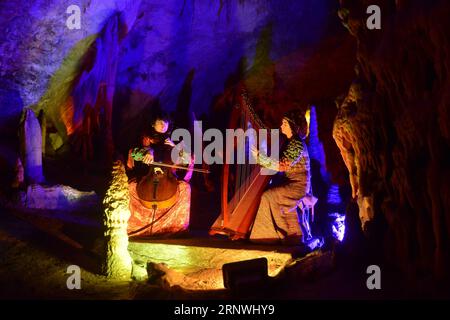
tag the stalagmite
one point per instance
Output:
(117, 263)
(31, 147)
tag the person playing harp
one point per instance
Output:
(276, 220)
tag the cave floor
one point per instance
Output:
(33, 265)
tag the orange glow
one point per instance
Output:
(67, 112)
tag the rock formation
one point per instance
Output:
(117, 261)
(31, 147)
(58, 197)
(393, 131)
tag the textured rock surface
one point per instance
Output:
(393, 131)
(31, 147)
(34, 47)
(62, 198)
(117, 262)
(200, 267)
(178, 52)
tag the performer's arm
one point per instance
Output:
(130, 161)
(169, 142)
(267, 162)
(184, 158)
(188, 175)
(148, 158)
(292, 155)
(142, 154)
(288, 159)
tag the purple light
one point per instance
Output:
(334, 201)
(338, 226)
(334, 197)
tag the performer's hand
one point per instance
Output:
(169, 142)
(188, 175)
(130, 161)
(254, 151)
(148, 158)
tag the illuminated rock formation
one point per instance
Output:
(349, 141)
(31, 147)
(393, 131)
(117, 263)
(58, 197)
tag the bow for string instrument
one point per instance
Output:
(138, 154)
(159, 188)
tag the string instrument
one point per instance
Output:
(159, 188)
(242, 185)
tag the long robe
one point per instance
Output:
(144, 221)
(165, 221)
(277, 219)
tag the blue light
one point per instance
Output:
(338, 225)
(334, 196)
(335, 205)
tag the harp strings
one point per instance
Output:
(246, 172)
(242, 176)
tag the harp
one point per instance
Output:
(242, 184)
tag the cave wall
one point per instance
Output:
(181, 55)
(34, 43)
(178, 54)
(169, 42)
(393, 131)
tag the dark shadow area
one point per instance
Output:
(72, 242)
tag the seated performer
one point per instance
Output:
(159, 201)
(276, 219)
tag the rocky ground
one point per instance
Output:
(33, 265)
(36, 248)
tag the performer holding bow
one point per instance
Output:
(159, 200)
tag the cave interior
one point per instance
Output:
(74, 99)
